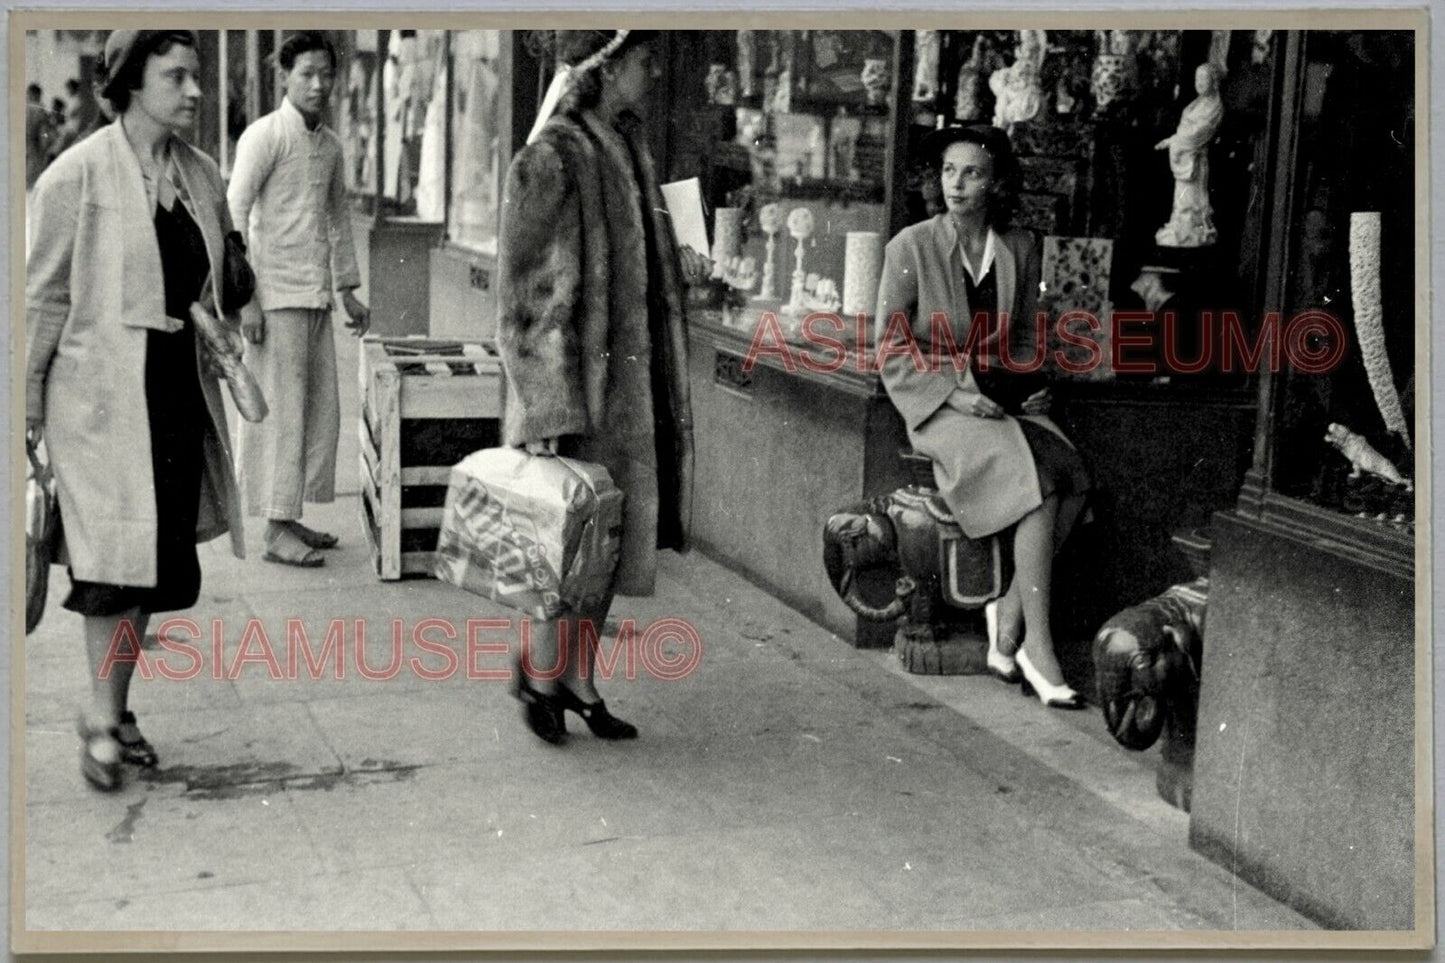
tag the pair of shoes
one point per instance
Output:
(604, 725)
(1053, 696)
(100, 755)
(542, 712)
(139, 751)
(1002, 667)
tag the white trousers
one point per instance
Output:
(290, 457)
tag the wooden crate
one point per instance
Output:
(425, 405)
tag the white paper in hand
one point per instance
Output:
(684, 206)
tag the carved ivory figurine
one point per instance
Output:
(1363, 457)
(1018, 93)
(1191, 222)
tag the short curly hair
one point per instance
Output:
(116, 90)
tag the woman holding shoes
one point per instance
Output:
(1001, 465)
(590, 284)
(132, 421)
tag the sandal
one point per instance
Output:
(139, 751)
(311, 538)
(284, 551)
(100, 772)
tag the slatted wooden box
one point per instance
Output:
(425, 405)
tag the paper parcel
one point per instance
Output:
(540, 535)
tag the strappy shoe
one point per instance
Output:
(101, 768)
(139, 751)
(604, 725)
(541, 712)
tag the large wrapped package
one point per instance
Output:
(538, 534)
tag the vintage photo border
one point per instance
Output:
(1421, 937)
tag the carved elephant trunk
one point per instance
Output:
(1146, 664)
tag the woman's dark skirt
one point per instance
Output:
(179, 420)
(1060, 467)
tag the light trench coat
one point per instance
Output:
(983, 466)
(94, 288)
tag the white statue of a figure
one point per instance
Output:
(1017, 90)
(1191, 222)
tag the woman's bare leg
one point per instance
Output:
(539, 655)
(109, 697)
(1033, 575)
(1010, 605)
(1010, 619)
(585, 632)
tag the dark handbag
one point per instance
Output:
(42, 536)
(238, 281)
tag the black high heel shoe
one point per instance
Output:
(604, 725)
(138, 752)
(542, 712)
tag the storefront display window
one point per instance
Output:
(480, 145)
(1343, 440)
(356, 112)
(412, 78)
(796, 128)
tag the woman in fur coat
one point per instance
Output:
(592, 334)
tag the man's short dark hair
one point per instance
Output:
(33, 92)
(304, 42)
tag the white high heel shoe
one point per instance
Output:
(1003, 667)
(1054, 696)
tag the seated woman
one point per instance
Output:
(1000, 464)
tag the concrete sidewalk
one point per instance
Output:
(790, 782)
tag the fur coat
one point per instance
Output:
(591, 327)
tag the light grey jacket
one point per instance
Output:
(984, 467)
(93, 289)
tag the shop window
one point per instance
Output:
(790, 132)
(356, 111)
(480, 137)
(1351, 257)
(413, 145)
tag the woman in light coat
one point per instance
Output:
(592, 332)
(125, 229)
(1000, 463)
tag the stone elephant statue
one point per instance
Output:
(902, 555)
(1147, 668)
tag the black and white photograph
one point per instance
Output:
(824, 480)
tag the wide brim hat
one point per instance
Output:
(122, 46)
(993, 139)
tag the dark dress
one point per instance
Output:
(1060, 468)
(178, 423)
